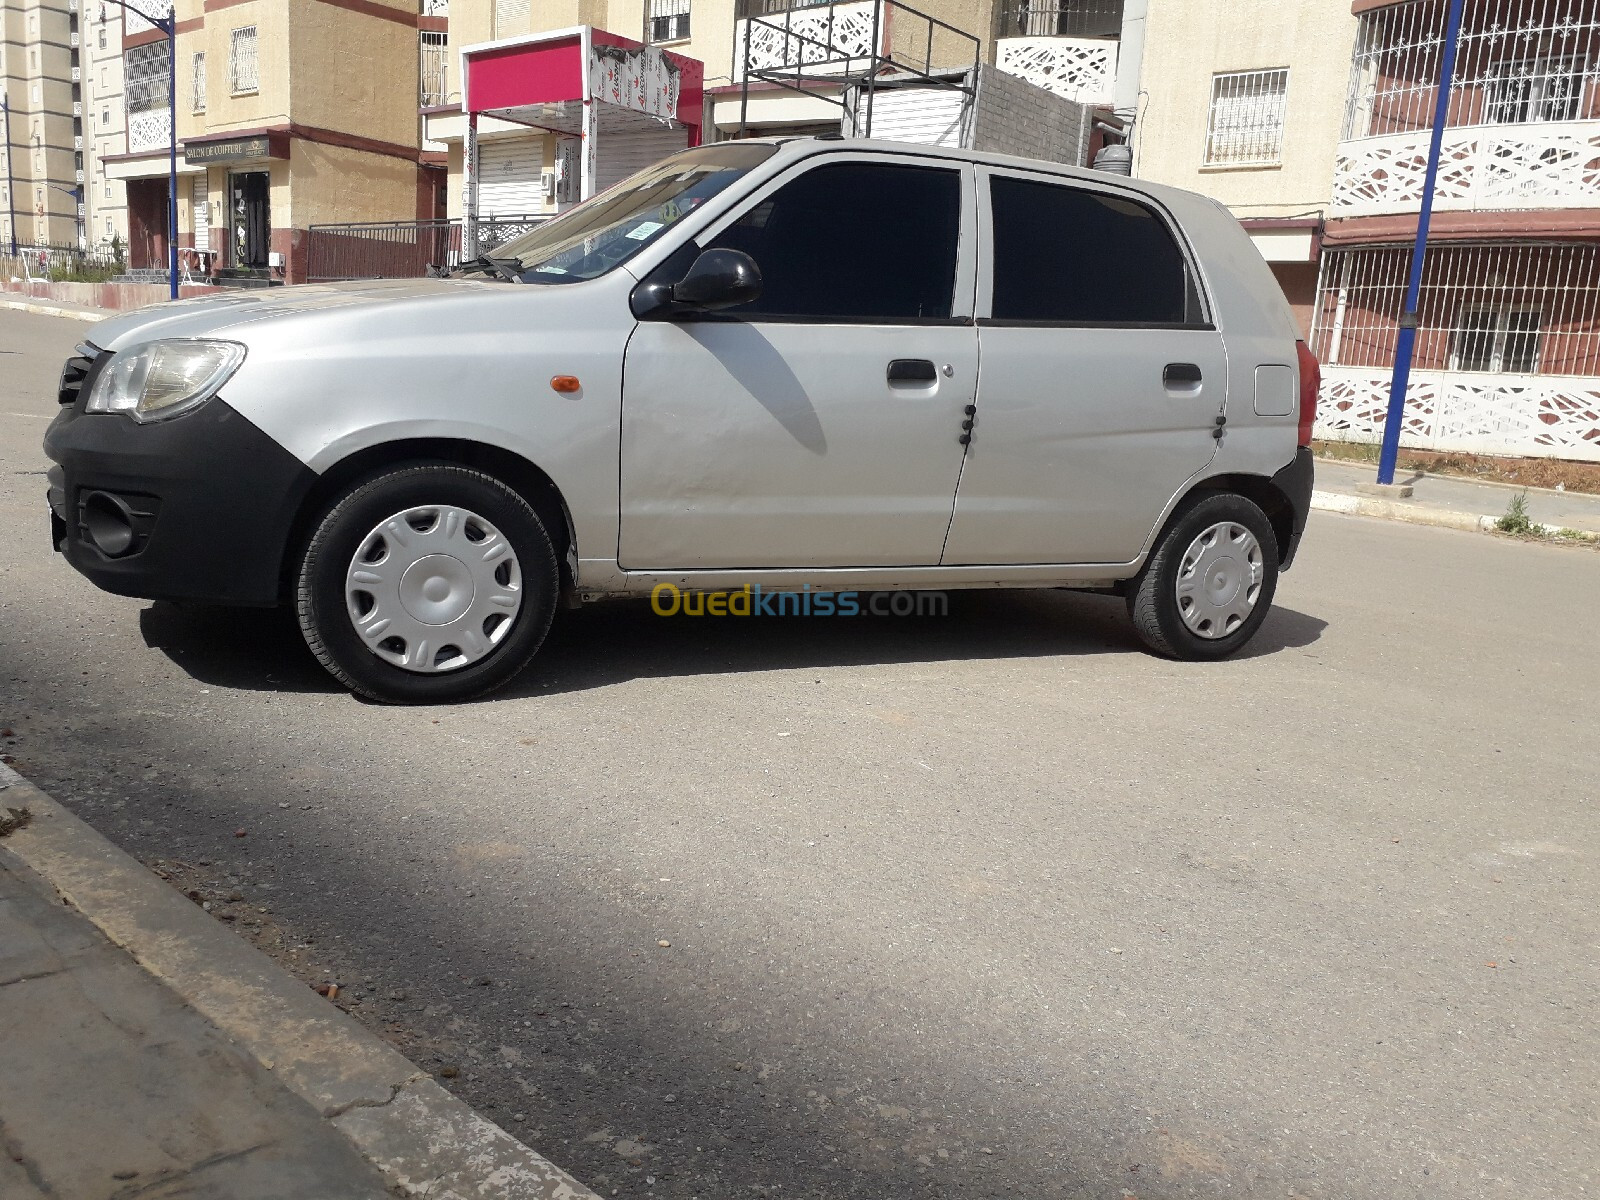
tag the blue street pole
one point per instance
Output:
(1405, 346)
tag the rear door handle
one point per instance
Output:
(1181, 375)
(912, 370)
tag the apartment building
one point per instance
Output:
(290, 113)
(103, 123)
(40, 79)
(1312, 122)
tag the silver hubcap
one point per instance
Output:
(1219, 580)
(433, 589)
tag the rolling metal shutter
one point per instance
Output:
(621, 154)
(928, 116)
(202, 213)
(508, 176)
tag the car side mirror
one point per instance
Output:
(719, 279)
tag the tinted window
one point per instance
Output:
(1067, 255)
(855, 241)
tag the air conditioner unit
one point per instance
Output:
(547, 181)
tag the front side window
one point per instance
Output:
(607, 230)
(854, 242)
(1068, 256)
(1245, 125)
(242, 63)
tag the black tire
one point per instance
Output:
(1153, 599)
(327, 625)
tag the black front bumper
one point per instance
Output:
(208, 500)
(1295, 482)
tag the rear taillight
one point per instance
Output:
(1310, 385)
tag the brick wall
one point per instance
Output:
(1015, 117)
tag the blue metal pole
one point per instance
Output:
(170, 28)
(1405, 345)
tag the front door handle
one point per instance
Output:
(1181, 375)
(912, 370)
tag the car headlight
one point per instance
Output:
(160, 380)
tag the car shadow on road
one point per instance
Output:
(601, 645)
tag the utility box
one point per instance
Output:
(976, 108)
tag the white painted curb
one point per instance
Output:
(53, 310)
(1445, 518)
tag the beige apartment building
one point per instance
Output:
(40, 79)
(290, 113)
(1244, 102)
(102, 125)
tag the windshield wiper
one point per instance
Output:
(508, 269)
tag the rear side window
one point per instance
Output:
(854, 241)
(1064, 255)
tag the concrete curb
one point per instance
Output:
(1416, 514)
(423, 1140)
(55, 310)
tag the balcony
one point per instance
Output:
(77, 141)
(77, 108)
(1523, 114)
(1068, 47)
(77, 74)
(1493, 167)
(434, 8)
(149, 130)
(799, 37)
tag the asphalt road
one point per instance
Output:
(988, 905)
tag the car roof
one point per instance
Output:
(793, 148)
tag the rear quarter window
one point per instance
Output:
(1071, 256)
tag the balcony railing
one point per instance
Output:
(149, 130)
(1481, 168)
(435, 8)
(796, 36)
(1062, 18)
(1079, 69)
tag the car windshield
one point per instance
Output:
(607, 230)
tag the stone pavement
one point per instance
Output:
(112, 1086)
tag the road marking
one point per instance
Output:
(30, 416)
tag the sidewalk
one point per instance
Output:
(1454, 503)
(52, 308)
(147, 1051)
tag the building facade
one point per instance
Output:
(41, 81)
(103, 124)
(289, 114)
(1508, 338)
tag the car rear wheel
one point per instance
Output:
(1209, 582)
(428, 583)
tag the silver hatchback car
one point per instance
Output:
(799, 364)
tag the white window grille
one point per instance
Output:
(666, 20)
(435, 69)
(243, 65)
(1245, 127)
(1522, 309)
(1517, 62)
(198, 83)
(145, 85)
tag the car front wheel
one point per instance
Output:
(428, 583)
(1210, 580)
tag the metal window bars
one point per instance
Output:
(1245, 124)
(849, 43)
(198, 82)
(1507, 308)
(435, 69)
(243, 65)
(666, 20)
(1062, 18)
(1517, 62)
(146, 79)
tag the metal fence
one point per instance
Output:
(400, 249)
(1502, 309)
(69, 263)
(1517, 62)
(1062, 18)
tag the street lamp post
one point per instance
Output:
(169, 26)
(11, 183)
(1406, 343)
